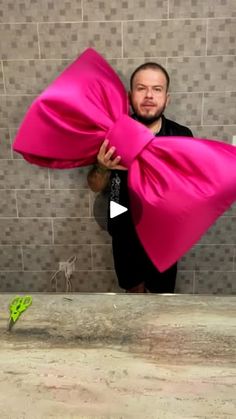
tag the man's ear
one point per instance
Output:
(129, 97)
(168, 99)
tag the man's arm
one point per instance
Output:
(98, 177)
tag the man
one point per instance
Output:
(148, 97)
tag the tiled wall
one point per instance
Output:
(47, 216)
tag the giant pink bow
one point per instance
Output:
(183, 183)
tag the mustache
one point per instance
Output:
(148, 102)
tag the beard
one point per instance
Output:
(148, 119)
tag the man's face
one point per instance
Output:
(149, 96)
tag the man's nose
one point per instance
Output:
(149, 93)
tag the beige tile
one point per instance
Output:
(18, 174)
(41, 258)
(222, 232)
(68, 40)
(219, 108)
(18, 41)
(10, 258)
(95, 281)
(184, 282)
(5, 144)
(215, 132)
(13, 109)
(231, 211)
(40, 10)
(13, 132)
(2, 89)
(87, 281)
(67, 179)
(203, 257)
(7, 204)
(79, 231)
(125, 10)
(31, 76)
(221, 37)
(213, 282)
(201, 8)
(26, 282)
(194, 74)
(16, 231)
(185, 108)
(53, 203)
(102, 256)
(164, 38)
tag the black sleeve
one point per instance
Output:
(188, 132)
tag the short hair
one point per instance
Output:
(153, 66)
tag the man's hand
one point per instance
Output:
(104, 158)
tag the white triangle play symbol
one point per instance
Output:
(116, 209)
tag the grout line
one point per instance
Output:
(53, 270)
(122, 39)
(90, 205)
(91, 250)
(202, 110)
(194, 281)
(82, 10)
(43, 189)
(204, 271)
(207, 30)
(166, 62)
(201, 92)
(11, 141)
(38, 59)
(75, 22)
(57, 218)
(93, 219)
(123, 58)
(49, 181)
(22, 258)
(107, 244)
(208, 270)
(17, 210)
(175, 92)
(79, 245)
(165, 65)
(168, 9)
(53, 237)
(46, 245)
(38, 41)
(3, 78)
(19, 94)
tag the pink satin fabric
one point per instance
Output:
(184, 184)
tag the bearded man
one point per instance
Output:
(149, 96)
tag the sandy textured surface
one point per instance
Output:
(119, 356)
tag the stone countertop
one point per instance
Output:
(119, 356)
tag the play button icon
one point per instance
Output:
(116, 209)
